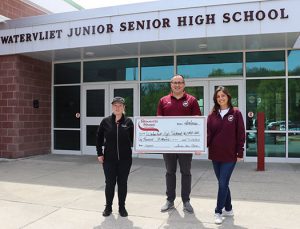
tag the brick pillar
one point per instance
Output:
(24, 130)
(17, 8)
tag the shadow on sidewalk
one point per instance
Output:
(114, 221)
(176, 220)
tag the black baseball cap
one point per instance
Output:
(118, 100)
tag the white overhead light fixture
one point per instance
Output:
(89, 53)
(202, 46)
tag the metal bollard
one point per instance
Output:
(260, 141)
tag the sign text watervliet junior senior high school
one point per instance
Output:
(196, 22)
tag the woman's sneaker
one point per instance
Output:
(218, 218)
(123, 212)
(107, 211)
(227, 213)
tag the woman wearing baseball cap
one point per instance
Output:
(114, 142)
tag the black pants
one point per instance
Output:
(116, 172)
(185, 161)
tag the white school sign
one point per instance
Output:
(263, 17)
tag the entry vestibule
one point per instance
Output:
(257, 81)
(96, 104)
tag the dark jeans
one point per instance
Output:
(116, 172)
(223, 171)
(186, 177)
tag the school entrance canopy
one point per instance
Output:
(155, 28)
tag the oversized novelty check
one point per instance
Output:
(170, 134)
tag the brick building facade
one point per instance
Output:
(24, 130)
(16, 9)
(252, 47)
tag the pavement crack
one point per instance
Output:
(46, 215)
(136, 169)
(199, 178)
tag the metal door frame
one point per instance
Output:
(109, 89)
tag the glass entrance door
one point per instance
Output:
(66, 120)
(95, 106)
(96, 102)
(236, 89)
(200, 91)
(129, 93)
(204, 91)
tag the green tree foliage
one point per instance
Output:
(258, 72)
(270, 98)
(294, 101)
(220, 72)
(150, 95)
(295, 71)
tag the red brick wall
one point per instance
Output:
(15, 9)
(24, 130)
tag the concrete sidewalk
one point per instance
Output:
(58, 191)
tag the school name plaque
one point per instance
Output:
(170, 134)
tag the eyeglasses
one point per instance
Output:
(177, 83)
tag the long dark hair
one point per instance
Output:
(226, 92)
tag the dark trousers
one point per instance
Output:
(223, 171)
(116, 172)
(185, 161)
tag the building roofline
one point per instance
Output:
(134, 8)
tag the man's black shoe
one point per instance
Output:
(107, 211)
(123, 212)
(187, 207)
(167, 206)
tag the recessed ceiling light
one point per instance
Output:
(202, 46)
(89, 53)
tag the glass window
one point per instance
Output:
(293, 62)
(91, 132)
(66, 105)
(266, 96)
(265, 64)
(234, 92)
(251, 145)
(210, 65)
(110, 70)
(67, 73)
(157, 68)
(274, 145)
(294, 145)
(67, 139)
(150, 95)
(95, 103)
(127, 94)
(198, 93)
(294, 105)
